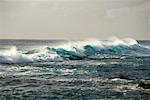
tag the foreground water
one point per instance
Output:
(85, 70)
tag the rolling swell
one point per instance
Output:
(76, 50)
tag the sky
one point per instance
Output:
(74, 19)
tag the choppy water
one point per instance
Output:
(90, 69)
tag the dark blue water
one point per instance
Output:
(47, 70)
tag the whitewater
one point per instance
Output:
(75, 50)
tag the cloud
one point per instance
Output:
(130, 11)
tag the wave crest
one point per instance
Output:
(76, 50)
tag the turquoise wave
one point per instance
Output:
(76, 50)
(89, 50)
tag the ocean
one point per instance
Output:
(75, 70)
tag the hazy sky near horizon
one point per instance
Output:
(74, 19)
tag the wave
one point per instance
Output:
(115, 46)
(14, 56)
(76, 50)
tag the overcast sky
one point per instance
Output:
(74, 19)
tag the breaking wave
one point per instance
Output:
(75, 50)
(14, 56)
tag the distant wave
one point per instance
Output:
(75, 50)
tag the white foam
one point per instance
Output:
(14, 56)
(116, 41)
(78, 46)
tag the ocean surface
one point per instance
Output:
(77, 70)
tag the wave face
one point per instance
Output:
(76, 50)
